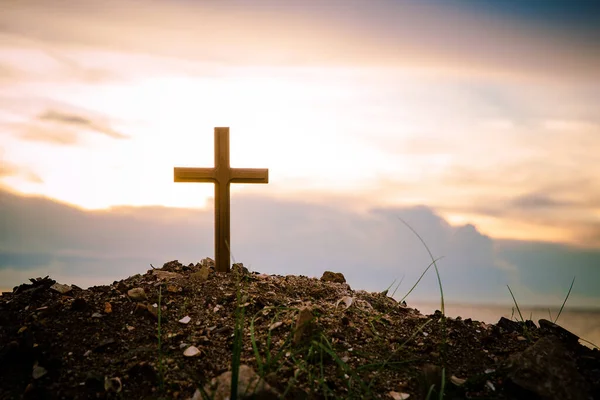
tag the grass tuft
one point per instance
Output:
(443, 317)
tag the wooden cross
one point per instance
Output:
(222, 175)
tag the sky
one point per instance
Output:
(476, 122)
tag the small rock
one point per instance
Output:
(122, 287)
(347, 300)
(152, 312)
(174, 289)
(174, 335)
(146, 310)
(250, 386)
(38, 372)
(185, 320)
(457, 381)
(239, 268)
(97, 315)
(165, 275)
(191, 351)
(202, 275)
(112, 385)
(530, 325)
(140, 308)
(275, 325)
(208, 262)
(509, 325)
(399, 396)
(548, 327)
(137, 294)
(107, 308)
(547, 370)
(60, 288)
(303, 320)
(337, 277)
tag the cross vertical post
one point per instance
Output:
(222, 175)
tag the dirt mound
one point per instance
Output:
(305, 338)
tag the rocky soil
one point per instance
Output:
(169, 334)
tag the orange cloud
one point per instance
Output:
(80, 122)
(435, 39)
(8, 169)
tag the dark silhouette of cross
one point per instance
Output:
(222, 175)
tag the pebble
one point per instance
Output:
(137, 294)
(457, 381)
(347, 300)
(38, 372)
(112, 385)
(191, 351)
(275, 325)
(60, 288)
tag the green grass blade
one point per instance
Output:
(517, 305)
(421, 277)
(437, 272)
(391, 284)
(257, 355)
(564, 302)
(398, 285)
(443, 384)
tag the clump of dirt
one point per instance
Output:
(308, 338)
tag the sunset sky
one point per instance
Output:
(478, 122)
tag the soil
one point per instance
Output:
(103, 342)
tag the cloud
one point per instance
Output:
(8, 169)
(372, 248)
(62, 128)
(42, 134)
(373, 32)
(549, 267)
(80, 122)
(7, 73)
(24, 58)
(539, 200)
